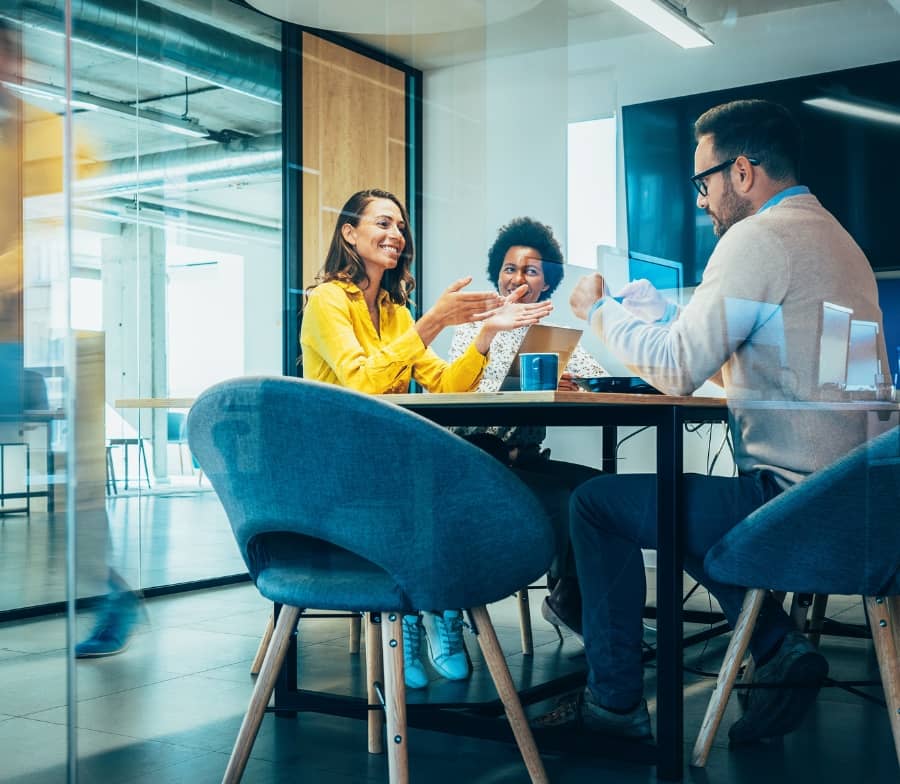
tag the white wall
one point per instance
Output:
(495, 130)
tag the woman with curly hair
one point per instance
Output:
(526, 253)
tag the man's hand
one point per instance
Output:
(642, 300)
(589, 289)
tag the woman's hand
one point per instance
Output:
(510, 315)
(456, 306)
(567, 383)
(513, 314)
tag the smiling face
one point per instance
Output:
(378, 237)
(522, 265)
(724, 205)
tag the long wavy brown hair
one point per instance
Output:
(344, 263)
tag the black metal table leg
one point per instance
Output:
(670, 560)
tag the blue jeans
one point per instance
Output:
(612, 518)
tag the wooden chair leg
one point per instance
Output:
(355, 629)
(493, 657)
(395, 697)
(883, 614)
(800, 604)
(525, 622)
(374, 673)
(894, 612)
(817, 618)
(740, 639)
(262, 692)
(263, 645)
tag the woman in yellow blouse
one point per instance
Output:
(357, 332)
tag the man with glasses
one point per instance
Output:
(751, 326)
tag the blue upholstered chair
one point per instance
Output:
(341, 501)
(837, 532)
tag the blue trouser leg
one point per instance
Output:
(612, 519)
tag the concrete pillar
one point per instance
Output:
(134, 314)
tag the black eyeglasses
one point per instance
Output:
(699, 180)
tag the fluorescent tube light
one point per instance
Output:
(185, 130)
(669, 20)
(856, 109)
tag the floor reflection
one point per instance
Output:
(170, 535)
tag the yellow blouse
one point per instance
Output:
(340, 346)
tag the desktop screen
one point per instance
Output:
(833, 345)
(862, 360)
(665, 275)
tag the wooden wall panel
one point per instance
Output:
(354, 137)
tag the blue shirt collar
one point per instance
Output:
(795, 190)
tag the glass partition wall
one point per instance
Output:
(155, 272)
(211, 150)
(175, 273)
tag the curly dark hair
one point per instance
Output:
(531, 234)
(761, 129)
(344, 263)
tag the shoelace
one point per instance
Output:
(450, 630)
(411, 638)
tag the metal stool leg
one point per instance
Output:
(144, 458)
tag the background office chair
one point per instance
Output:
(340, 501)
(851, 546)
(175, 427)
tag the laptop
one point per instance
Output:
(543, 338)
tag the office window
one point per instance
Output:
(591, 189)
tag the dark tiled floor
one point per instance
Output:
(167, 709)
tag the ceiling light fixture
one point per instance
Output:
(185, 126)
(669, 19)
(856, 108)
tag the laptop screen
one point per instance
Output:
(543, 338)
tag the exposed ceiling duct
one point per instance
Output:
(164, 37)
(207, 163)
(118, 211)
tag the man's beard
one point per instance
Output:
(732, 209)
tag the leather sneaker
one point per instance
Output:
(582, 711)
(414, 675)
(776, 711)
(443, 634)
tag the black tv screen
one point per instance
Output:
(851, 164)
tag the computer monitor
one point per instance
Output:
(619, 268)
(862, 360)
(665, 275)
(834, 343)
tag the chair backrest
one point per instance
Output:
(175, 424)
(838, 531)
(343, 471)
(35, 392)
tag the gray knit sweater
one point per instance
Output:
(754, 326)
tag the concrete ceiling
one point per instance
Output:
(551, 24)
(133, 82)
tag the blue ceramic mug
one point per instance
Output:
(538, 372)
